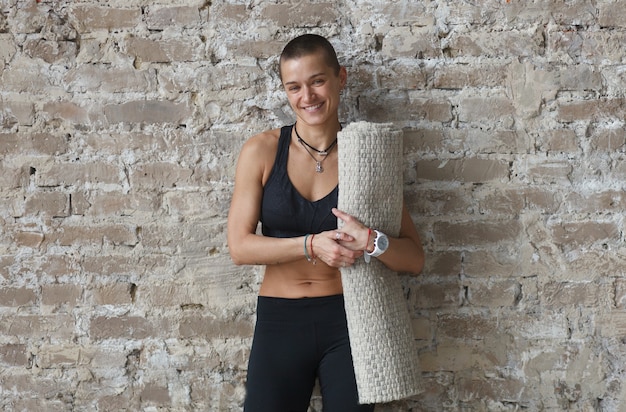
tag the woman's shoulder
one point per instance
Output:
(257, 155)
(261, 147)
(268, 137)
(264, 142)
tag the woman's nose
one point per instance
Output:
(308, 93)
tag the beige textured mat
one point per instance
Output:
(371, 188)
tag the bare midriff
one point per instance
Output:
(301, 279)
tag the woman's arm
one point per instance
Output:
(245, 246)
(405, 252)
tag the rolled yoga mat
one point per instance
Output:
(383, 346)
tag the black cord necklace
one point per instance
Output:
(318, 163)
(319, 152)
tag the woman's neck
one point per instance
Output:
(318, 136)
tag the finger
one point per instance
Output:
(339, 236)
(340, 214)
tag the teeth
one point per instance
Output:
(313, 107)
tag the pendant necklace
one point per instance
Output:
(318, 163)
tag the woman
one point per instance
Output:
(288, 180)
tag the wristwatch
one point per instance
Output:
(381, 243)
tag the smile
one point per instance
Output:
(312, 108)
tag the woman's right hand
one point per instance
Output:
(327, 247)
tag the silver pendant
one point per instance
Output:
(319, 168)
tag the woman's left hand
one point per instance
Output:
(404, 253)
(358, 232)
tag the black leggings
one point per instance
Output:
(295, 342)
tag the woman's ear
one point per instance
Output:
(343, 76)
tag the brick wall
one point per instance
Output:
(120, 124)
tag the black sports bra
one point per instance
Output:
(284, 211)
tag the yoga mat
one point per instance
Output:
(383, 346)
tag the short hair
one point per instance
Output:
(308, 44)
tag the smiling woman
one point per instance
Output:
(313, 89)
(287, 179)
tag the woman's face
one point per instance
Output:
(313, 88)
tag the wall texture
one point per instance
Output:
(120, 124)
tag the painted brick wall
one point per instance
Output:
(120, 124)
